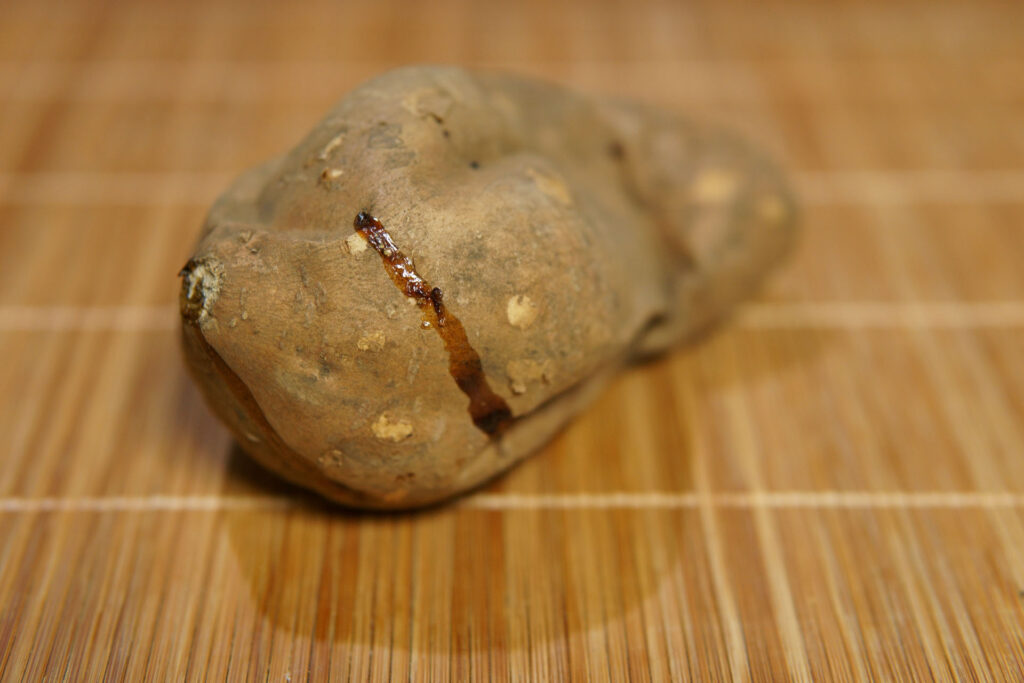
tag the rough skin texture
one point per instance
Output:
(568, 234)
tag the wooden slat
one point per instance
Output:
(217, 135)
(829, 488)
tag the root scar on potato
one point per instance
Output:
(489, 411)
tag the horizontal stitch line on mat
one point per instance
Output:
(13, 68)
(848, 315)
(226, 79)
(568, 501)
(246, 81)
(321, 84)
(813, 188)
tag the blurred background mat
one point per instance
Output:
(829, 488)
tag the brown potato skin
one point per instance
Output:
(569, 235)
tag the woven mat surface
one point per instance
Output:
(831, 487)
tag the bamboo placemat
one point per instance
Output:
(829, 488)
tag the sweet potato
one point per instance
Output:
(449, 266)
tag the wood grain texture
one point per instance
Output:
(831, 487)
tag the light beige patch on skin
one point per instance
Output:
(388, 429)
(521, 311)
(355, 243)
(331, 458)
(428, 102)
(551, 185)
(330, 174)
(714, 186)
(332, 145)
(522, 372)
(372, 342)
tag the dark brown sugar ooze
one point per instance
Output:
(489, 411)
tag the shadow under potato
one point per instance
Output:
(475, 575)
(471, 576)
